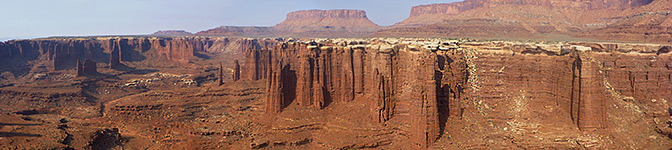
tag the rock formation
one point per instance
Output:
(399, 80)
(307, 23)
(626, 20)
(236, 71)
(416, 87)
(115, 55)
(80, 68)
(220, 78)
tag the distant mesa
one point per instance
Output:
(171, 33)
(617, 20)
(249, 31)
(334, 22)
(307, 23)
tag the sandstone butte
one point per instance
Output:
(171, 33)
(289, 87)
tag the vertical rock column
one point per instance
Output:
(304, 80)
(358, 68)
(220, 78)
(236, 70)
(275, 100)
(588, 102)
(381, 87)
(80, 68)
(319, 78)
(115, 56)
(593, 98)
(417, 90)
(344, 75)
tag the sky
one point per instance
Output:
(43, 18)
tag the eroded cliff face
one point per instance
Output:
(426, 89)
(403, 93)
(399, 83)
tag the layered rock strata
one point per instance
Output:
(400, 82)
(415, 86)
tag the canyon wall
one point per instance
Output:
(62, 53)
(582, 79)
(401, 84)
(415, 88)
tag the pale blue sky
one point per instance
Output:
(39, 18)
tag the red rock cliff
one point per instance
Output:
(400, 83)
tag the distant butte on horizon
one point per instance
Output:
(612, 20)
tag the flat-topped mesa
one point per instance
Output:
(171, 33)
(326, 23)
(238, 31)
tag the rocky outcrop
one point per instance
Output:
(105, 139)
(399, 82)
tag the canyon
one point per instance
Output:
(476, 74)
(408, 93)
